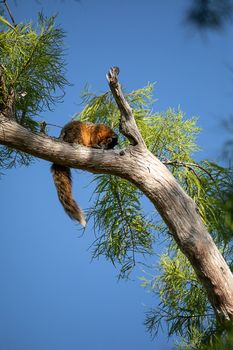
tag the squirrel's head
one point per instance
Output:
(108, 139)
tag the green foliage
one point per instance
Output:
(222, 339)
(210, 186)
(32, 59)
(118, 215)
(98, 109)
(169, 135)
(103, 109)
(184, 306)
(33, 62)
(10, 158)
(228, 209)
(123, 230)
(172, 138)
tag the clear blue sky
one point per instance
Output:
(51, 295)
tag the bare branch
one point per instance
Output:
(9, 12)
(128, 126)
(42, 146)
(144, 170)
(187, 165)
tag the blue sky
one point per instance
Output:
(52, 296)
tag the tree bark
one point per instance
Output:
(144, 170)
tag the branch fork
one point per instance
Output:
(127, 126)
(145, 171)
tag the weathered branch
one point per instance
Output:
(140, 167)
(143, 169)
(128, 125)
(19, 138)
(190, 234)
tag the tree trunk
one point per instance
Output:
(145, 171)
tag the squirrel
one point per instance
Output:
(86, 134)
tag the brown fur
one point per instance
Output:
(86, 134)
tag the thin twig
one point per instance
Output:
(187, 165)
(9, 12)
(56, 126)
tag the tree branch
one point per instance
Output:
(144, 170)
(128, 126)
(9, 12)
(42, 146)
(187, 165)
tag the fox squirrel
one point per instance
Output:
(86, 134)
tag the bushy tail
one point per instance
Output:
(63, 183)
